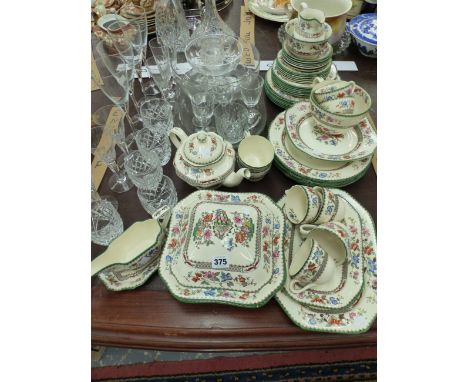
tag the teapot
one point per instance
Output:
(205, 160)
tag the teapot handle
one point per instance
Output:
(177, 136)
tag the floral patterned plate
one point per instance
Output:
(233, 235)
(348, 279)
(359, 317)
(312, 139)
(241, 231)
(343, 175)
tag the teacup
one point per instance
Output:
(302, 204)
(324, 91)
(310, 24)
(311, 266)
(255, 153)
(333, 237)
(330, 206)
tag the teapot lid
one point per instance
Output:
(203, 148)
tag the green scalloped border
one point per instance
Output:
(233, 303)
(371, 321)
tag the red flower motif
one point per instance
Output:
(241, 279)
(240, 237)
(334, 321)
(173, 243)
(208, 218)
(317, 299)
(244, 296)
(368, 250)
(265, 246)
(311, 267)
(354, 246)
(275, 240)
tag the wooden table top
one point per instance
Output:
(149, 317)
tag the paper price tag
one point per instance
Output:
(219, 262)
(346, 66)
(247, 32)
(95, 76)
(98, 168)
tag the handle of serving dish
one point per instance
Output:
(162, 215)
(177, 136)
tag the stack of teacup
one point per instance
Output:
(318, 264)
(306, 55)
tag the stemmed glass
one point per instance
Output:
(202, 105)
(116, 76)
(163, 60)
(251, 90)
(119, 181)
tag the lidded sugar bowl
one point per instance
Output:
(205, 160)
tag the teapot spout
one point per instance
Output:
(235, 178)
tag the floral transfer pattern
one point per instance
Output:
(240, 229)
(215, 288)
(359, 316)
(276, 135)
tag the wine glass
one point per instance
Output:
(251, 90)
(115, 74)
(202, 105)
(119, 181)
(149, 141)
(164, 194)
(164, 60)
(143, 169)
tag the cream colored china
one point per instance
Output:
(352, 318)
(308, 140)
(133, 256)
(310, 266)
(344, 105)
(331, 209)
(310, 24)
(205, 160)
(258, 10)
(256, 154)
(335, 13)
(302, 204)
(245, 229)
(303, 48)
(344, 285)
(270, 6)
(332, 236)
(311, 175)
(324, 90)
(339, 122)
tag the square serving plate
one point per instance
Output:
(246, 229)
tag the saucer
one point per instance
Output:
(324, 35)
(225, 284)
(340, 177)
(310, 137)
(358, 317)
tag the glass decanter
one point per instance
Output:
(211, 22)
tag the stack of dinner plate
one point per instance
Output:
(297, 65)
